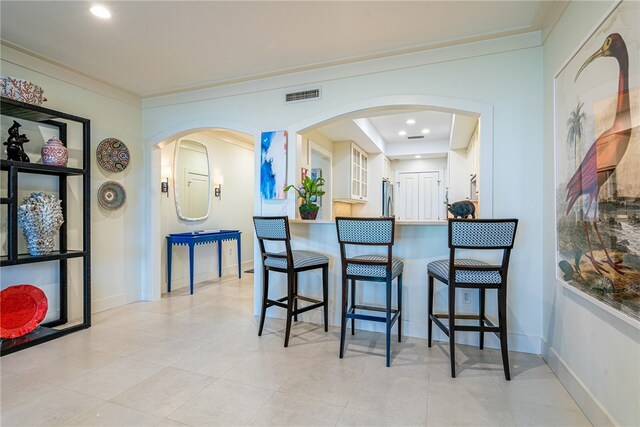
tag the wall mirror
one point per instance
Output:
(191, 177)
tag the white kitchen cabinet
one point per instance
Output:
(350, 175)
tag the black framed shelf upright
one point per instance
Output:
(55, 328)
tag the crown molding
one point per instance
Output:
(361, 68)
(21, 57)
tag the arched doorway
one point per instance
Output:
(231, 161)
(453, 105)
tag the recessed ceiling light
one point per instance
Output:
(418, 156)
(411, 122)
(402, 133)
(425, 131)
(100, 12)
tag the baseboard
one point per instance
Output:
(109, 303)
(211, 275)
(592, 408)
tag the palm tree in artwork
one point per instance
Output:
(574, 133)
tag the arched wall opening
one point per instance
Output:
(453, 105)
(231, 165)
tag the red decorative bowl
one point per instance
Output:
(22, 308)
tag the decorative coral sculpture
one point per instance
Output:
(40, 217)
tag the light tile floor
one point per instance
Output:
(197, 360)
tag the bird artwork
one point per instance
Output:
(604, 155)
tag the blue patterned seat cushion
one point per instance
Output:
(372, 270)
(301, 259)
(441, 269)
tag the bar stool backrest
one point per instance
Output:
(367, 232)
(274, 228)
(482, 233)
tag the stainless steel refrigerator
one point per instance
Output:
(387, 198)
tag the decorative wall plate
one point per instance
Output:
(22, 308)
(111, 195)
(113, 155)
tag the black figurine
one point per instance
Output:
(15, 150)
(462, 209)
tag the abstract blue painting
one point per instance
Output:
(273, 165)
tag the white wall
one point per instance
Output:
(233, 210)
(505, 75)
(594, 353)
(116, 239)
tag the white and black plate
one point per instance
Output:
(111, 195)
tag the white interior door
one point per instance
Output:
(428, 196)
(407, 205)
(417, 196)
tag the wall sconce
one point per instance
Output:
(164, 186)
(218, 180)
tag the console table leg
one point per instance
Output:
(239, 260)
(191, 267)
(219, 258)
(169, 252)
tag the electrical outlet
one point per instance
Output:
(229, 251)
(466, 296)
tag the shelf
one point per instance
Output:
(57, 260)
(28, 259)
(22, 110)
(38, 336)
(37, 168)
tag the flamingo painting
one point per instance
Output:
(606, 152)
(597, 134)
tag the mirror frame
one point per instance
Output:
(176, 186)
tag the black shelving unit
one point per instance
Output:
(55, 328)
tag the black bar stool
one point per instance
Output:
(370, 268)
(493, 234)
(276, 228)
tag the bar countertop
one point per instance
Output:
(398, 222)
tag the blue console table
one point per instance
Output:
(201, 238)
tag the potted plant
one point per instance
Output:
(309, 192)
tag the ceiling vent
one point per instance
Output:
(416, 137)
(303, 95)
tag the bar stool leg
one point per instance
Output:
(452, 328)
(482, 300)
(353, 303)
(295, 296)
(290, 298)
(430, 313)
(388, 335)
(343, 324)
(325, 295)
(265, 294)
(502, 319)
(400, 308)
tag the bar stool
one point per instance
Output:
(276, 228)
(370, 268)
(489, 234)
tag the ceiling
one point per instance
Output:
(447, 131)
(157, 47)
(389, 126)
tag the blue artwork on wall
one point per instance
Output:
(273, 165)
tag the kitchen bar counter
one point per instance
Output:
(326, 221)
(416, 243)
